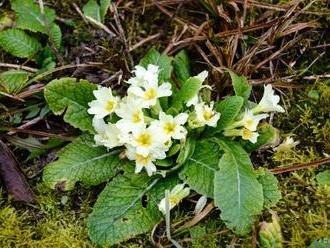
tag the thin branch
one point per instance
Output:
(22, 67)
(300, 166)
(253, 3)
(40, 133)
(143, 41)
(197, 218)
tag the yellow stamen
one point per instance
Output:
(249, 122)
(246, 134)
(174, 200)
(169, 128)
(110, 105)
(136, 117)
(150, 94)
(143, 160)
(144, 139)
(208, 115)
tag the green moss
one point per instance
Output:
(303, 209)
(47, 223)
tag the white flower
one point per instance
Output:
(170, 127)
(288, 144)
(107, 135)
(147, 141)
(141, 161)
(249, 121)
(143, 75)
(150, 92)
(201, 76)
(200, 204)
(245, 133)
(131, 113)
(206, 115)
(192, 101)
(269, 102)
(105, 103)
(249, 135)
(175, 196)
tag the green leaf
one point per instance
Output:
(237, 191)
(13, 81)
(322, 243)
(323, 178)
(229, 108)
(18, 43)
(81, 161)
(189, 89)
(182, 66)
(56, 35)
(270, 189)
(241, 85)
(267, 136)
(187, 150)
(67, 95)
(92, 9)
(105, 4)
(198, 171)
(163, 61)
(29, 16)
(127, 207)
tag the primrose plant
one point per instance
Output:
(163, 134)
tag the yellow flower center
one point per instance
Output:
(150, 94)
(136, 117)
(110, 105)
(246, 134)
(249, 122)
(208, 115)
(144, 139)
(169, 128)
(143, 160)
(174, 200)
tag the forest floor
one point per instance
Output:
(283, 43)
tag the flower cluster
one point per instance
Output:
(138, 122)
(247, 123)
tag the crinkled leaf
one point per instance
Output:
(18, 43)
(270, 189)
(188, 90)
(104, 6)
(127, 207)
(229, 108)
(72, 97)
(13, 81)
(182, 66)
(322, 243)
(198, 171)
(187, 150)
(241, 85)
(267, 136)
(29, 16)
(81, 161)
(92, 9)
(237, 191)
(163, 61)
(323, 178)
(56, 35)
